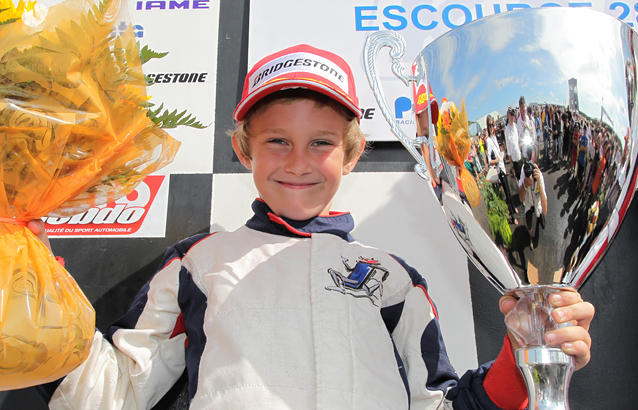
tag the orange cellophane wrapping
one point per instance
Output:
(73, 134)
(453, 142)
(47, 322)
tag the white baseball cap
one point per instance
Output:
(300, 66)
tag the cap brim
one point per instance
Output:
(288, 83)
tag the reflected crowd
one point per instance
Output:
(547, 174)
(547, 162)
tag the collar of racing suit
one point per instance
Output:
(264, 220)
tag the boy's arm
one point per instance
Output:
(139, 357)
(417, 336)
(494, 385)
(415, 331)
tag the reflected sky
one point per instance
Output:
(491, 62)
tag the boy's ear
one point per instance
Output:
(242, 158)
(349, 166)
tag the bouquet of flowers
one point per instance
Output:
(74, 133)
(454, 142)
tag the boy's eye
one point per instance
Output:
(322, 143)
(276, 141)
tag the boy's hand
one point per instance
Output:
(574, 340)
(37, 227)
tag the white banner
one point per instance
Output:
(185, 78)
(342, 26)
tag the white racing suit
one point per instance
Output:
(278, 314)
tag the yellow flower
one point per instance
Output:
(10, 13)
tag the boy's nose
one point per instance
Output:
(298, 162)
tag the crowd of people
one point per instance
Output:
(597, 160)
(513, 139)
(548, 137)
(514, 151)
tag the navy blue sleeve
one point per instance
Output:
(466, 393)
(129, 320)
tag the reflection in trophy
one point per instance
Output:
(535, 143)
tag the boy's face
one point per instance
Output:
(297, 159)
(423, 120)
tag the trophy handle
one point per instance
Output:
(373, 45)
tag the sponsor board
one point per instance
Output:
(185, 78)
(142, 213)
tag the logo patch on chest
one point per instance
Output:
(460, 228)
(363, 280)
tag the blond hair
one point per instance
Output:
(352, 134)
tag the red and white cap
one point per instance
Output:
(301, 66)
(421, 97)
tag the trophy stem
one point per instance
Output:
(547, 372)
(546, 369)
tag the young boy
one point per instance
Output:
(288, 311)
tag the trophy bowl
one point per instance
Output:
(525, 132)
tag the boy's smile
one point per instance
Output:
(297, 157)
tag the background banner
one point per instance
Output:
(185, 78)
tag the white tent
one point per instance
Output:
(481, 121)
(475, 128)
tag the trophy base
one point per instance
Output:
(547, 372)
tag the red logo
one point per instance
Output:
(122, 217)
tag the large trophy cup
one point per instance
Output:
(526, 134)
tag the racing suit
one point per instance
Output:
(278, 314)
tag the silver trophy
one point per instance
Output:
(525, 132)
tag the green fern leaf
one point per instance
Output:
(66, 40)
(163, 118)
(154, 114)
(7, 21)
(147, 54)
(171, 119)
